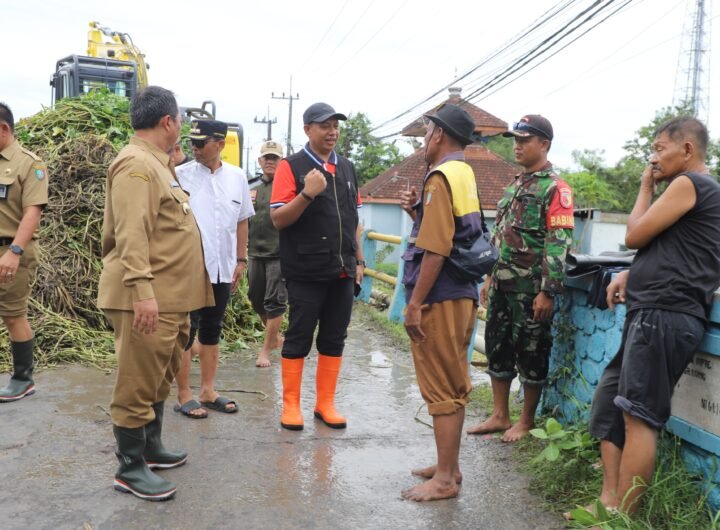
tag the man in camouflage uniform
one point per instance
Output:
(533, 230)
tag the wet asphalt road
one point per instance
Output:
(57, 461)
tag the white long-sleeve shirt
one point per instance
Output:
(219, 201)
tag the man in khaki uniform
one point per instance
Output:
(153, 275)
(23, 195)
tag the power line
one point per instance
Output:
(597, 64)
(623, 6)
(390, 18)
(347, 34)
(322, 39)
(561, 49)
(545, 18)
(547, 44)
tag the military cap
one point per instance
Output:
(531, 125)
(206, 129)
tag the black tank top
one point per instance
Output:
(680, 269)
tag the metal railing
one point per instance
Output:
(396, 307)
(369, 243)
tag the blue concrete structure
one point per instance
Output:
(586, 339)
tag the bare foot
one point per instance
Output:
(516, 432)
(210, 398)
(263, 360)
(279, 341)
(184, 397)
(432, 490)
(429, 472)
(490, 425)
(592, 509)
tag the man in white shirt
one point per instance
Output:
(220, 200)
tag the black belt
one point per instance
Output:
(6, 241)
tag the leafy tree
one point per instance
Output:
(615, 187)
(590, 185)
(370, 154)
(501, 146)
(590, 191)
(640, 147)
(624, 178)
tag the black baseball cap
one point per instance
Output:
(206, 129)
(320, 112)
(531, 125)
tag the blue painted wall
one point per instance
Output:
(586, 339)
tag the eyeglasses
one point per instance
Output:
(526, 127)
(201, 143)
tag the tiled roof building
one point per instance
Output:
(492, 172)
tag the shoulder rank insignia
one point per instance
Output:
(140, 176)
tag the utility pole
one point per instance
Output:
(692, 77)
(290, 99)
(269, 123)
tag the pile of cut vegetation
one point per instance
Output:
(78, 139)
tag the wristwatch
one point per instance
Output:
(362, 262)
(242, 260)
(16, 249)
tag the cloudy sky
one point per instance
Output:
(378, 57)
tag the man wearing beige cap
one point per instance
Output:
(266, 288)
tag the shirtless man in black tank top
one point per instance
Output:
(678, 239)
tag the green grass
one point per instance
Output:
(387, 268)
(674, 500)
(394, 330)
(481, 403)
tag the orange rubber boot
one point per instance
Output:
(328, 369)
(292, 370)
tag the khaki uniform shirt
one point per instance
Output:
(23, 183)
(151, 243)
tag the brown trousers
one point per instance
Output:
(147, 365)
(441, 362)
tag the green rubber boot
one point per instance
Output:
(133, 475)
(21, 383)
(157, 456)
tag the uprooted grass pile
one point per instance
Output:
(78, 139)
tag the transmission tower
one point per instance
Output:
(692, 77)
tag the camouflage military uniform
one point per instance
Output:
(533, 230)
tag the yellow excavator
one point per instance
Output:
(113, 62)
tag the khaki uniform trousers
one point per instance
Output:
(14, 295)
(441, 361)
(147, 365)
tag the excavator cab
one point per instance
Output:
(232, 153)
(112, 62)
(76, 75)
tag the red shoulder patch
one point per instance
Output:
(560, 212)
